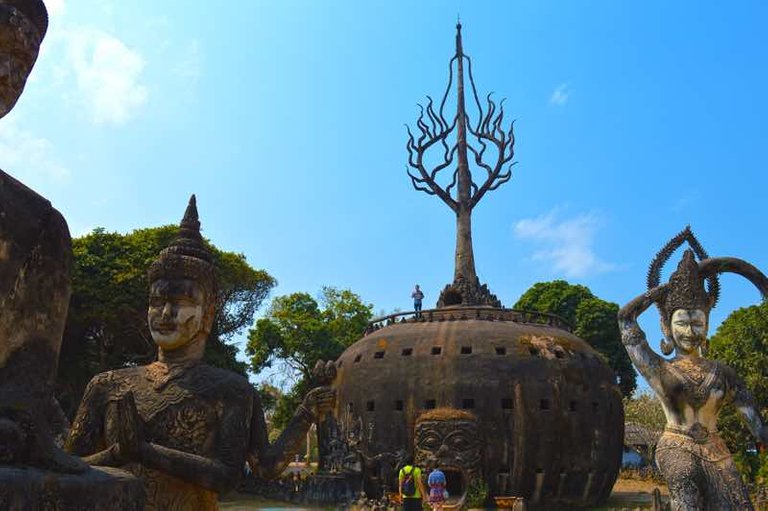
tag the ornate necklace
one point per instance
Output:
(160, 374)
(697, 377)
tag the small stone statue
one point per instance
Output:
(692, 388)
(184, 427)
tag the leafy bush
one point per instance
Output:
(477, 493)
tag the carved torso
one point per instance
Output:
(694, 391)
(178, 412)
(195, 409)
(690, 454)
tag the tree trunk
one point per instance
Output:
(465, 257)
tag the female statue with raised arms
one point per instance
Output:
(692, 389)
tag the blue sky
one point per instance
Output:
(286, 119)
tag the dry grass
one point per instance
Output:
(444, 414)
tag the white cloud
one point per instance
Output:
(27, 156)
(560, 95)
(190, 66)
(567, 243)
(108, 75)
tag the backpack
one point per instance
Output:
(409, 485)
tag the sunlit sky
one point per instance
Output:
(287, 120)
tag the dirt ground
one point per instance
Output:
(634, 493)
(627, 494)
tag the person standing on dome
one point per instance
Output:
(417, 296)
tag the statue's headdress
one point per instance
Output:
(34, 10)
(187, 256)
(685, 289)
(446, 414)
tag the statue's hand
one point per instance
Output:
(320, 400)
(656, 293)
(324, 372)
(128, 429)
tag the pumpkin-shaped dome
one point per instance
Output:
(548, 412)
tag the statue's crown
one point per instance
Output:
(34, 10)
(685, 289)
(186, 257)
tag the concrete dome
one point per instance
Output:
(549, 411)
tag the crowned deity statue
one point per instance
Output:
(692, 389)
(185, 428)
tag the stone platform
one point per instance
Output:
(29, 489)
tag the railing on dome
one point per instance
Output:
(465, 313)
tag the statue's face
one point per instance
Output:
(19, 46)
(451, 445)
(177, 312)
(689, 329)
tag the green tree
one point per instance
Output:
(741, 341)
(107, 320)
(645, 411)
(299, 331)
(593, 319)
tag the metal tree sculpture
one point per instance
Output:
(462, 193)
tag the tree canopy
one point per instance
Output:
(593, 319)
(299, 330)
(645, 421)
(741, 342)
(107, 320)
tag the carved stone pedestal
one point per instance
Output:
(330, 489)
(29, 489)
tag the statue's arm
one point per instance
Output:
(268, 460)
(647, 361)
(745, 403)
(209, 473)
(86, 436)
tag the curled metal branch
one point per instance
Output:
(435, 129)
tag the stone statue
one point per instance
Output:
(36, 256)
(184, 427)
(35, 263)
(692, 388)
(23, 24)
(451, 440)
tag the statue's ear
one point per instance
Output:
(209, 316)
(704, 348)
(667, 344)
